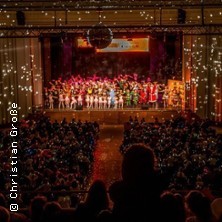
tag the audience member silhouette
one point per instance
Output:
(96, 201)
(199, 205)
(52, 212)
(181, 210)
(36, 208)
(137, 196)
(172, 207)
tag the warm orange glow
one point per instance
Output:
(179, 87)
(82, 43)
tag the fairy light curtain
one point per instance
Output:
(20, 76)
(202, 73)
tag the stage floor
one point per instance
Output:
(112, 116)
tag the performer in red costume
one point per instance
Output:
(152, 90)
(143, 98)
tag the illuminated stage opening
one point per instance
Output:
(131, 74)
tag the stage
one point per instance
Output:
(112, 116)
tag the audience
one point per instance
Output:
(51, 157)
(188, 152)
(161, 163)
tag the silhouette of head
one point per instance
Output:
(52, 212)
(138, 164)
(36, 207)
(199, 205)
(97, 196)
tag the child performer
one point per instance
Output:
(105, 102)
(67, 101)
(73, 102)
(135, 98)
(96, 101)
(165, 97)
(100, 102)
(112, 94)
(87, 100)
(128, 98)
(109, 102)
(143, 94)
(91, 100)
(152, 94)
(79, 100)
(61, 100)
(121, 101)
(51, 100)
(116, 103)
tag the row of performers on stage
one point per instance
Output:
(112, 96)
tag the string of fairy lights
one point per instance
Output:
(205, 67)
(18, 76)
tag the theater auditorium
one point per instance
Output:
(111, 111)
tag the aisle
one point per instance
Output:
(107, 165)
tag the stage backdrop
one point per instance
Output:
(150, 56)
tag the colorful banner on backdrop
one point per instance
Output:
(121, 45)
(127, 45)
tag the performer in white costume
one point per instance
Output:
(91, 100)
(61, 100)
(109, 102)
(87, 100)
(165, 97)
(79, 100)
(67, 101)
(100, 102)
(121, 102)
(73, 102)
(105, 102)
(116, 102)
(96, 101)
(51, 101)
